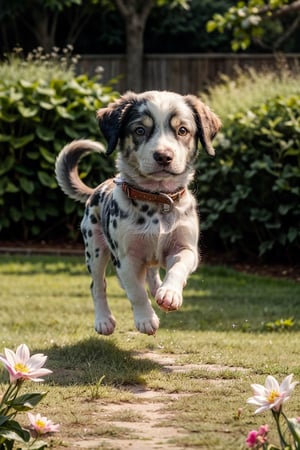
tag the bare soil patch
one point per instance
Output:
(144, 422)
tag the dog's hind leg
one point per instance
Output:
(97, 255)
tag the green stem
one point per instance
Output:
(293, 432)
(276, 415)
(10, 395)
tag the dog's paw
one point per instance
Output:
(168, 299)
(146, 322)
(105, 325)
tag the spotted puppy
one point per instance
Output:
(146, 217)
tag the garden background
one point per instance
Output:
(188, 386)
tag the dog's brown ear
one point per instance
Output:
(208, 124)
(111, 119)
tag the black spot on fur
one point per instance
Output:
(155, 221)
(144, 208)
(116, 262)
(88, 255)
(123, 214)
(93, 218)
(141, 220)
(151, 212)
(114, 208)
(95, 199)
(90, 233)
(84, 232)
(89, 268)
(115, 223)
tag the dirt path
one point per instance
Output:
(145, 416)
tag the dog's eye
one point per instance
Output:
(140, 131)
(182, 131)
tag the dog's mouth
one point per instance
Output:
(164, 173)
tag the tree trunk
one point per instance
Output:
(135, 14)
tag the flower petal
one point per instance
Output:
(37, 361)
(23, 353)
(10, 356)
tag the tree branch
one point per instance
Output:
(282, 11)
(288, 33)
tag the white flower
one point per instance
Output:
(272, 395)
(42, 425)
(21, 365)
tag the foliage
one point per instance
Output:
(249, 195)
(22, 367)
(43, 106)
(255, 20)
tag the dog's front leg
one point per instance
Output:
(132, 274)
(179, 266)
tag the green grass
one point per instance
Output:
(250, 88)
(45, 303)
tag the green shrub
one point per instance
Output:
(43, 106)
(249, 195)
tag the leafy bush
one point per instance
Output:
(43, 106)
(249, 195)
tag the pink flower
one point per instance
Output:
(263, 430)
(42, 425)
(251, 440)
(259, 437)
(271, 396)
(22, 366)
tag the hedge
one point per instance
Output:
(249, 195)
(43, 107)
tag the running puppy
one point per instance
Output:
(146, 217)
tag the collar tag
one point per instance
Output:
(166, 207)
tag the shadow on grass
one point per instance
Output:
(85, 363)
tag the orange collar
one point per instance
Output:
(166, 200)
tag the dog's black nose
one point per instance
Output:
(163, 158)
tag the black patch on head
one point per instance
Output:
(155, 221)
(113, 119)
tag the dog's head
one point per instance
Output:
(158, 132)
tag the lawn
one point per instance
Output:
(233, 329)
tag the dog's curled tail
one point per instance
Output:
(66, 168)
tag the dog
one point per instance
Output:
(146, 217)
